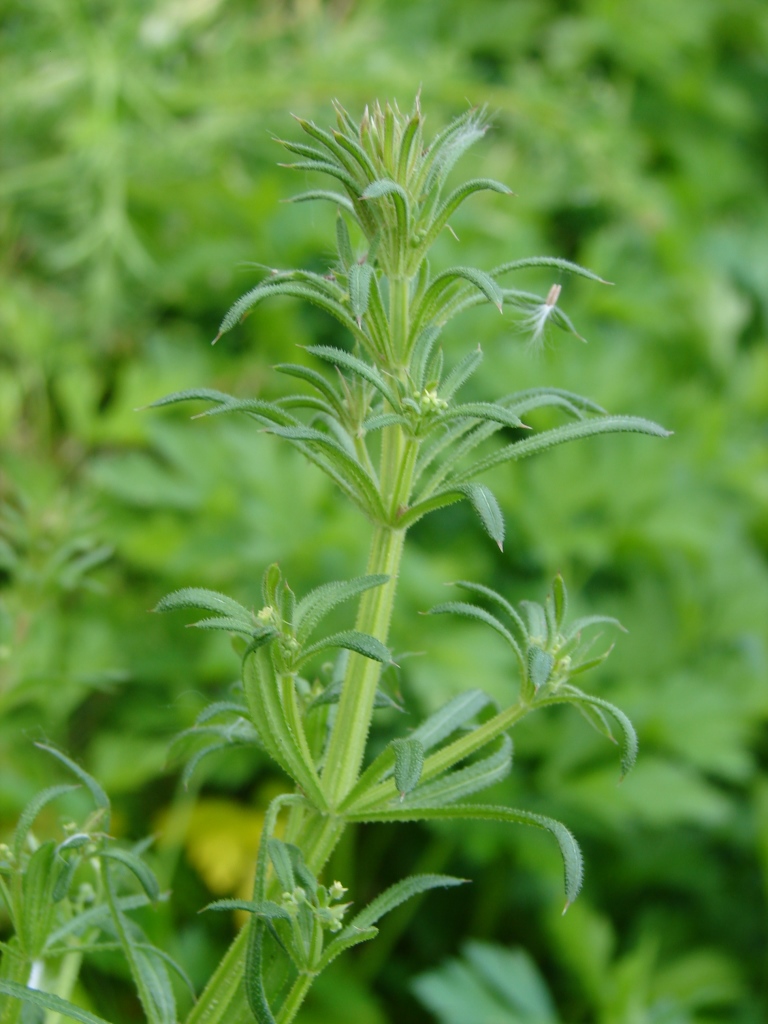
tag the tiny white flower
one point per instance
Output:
(336, 891)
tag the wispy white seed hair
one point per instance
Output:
(537, 320)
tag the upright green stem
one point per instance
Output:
(349, 736)
(295, 998)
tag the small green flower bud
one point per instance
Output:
(299, 895)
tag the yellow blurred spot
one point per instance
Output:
(221, 839)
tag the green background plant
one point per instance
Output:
(137, 174)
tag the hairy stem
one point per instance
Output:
(353, 719)
(295, 998)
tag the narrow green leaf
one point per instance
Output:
(149, 975)
(457, 785)
(348, 142)
(302, 149)
(629, 741)
(538, 627)
(137, 867)
(488, 411)
(569, 848)
(333, 143)
(422, 508)
(46, 1001)
(492, 595)
(344, 243)
(378, 322)
(579, 667)
(441, 724)
(464, 130)
(156, 983)
(450, 717)
(192, 395)
(338, 357)
(385, 186)
(230, 625)
(282, 862)
(560, 598)
(454, 201)
(344, 942)
(533, 398)
(31, 811)
(342, 467)
(266, 908)
(196, 758)
(263, 412)
(210, 600)
(409, 760)
(94, 917)
(315, 605)
(473, 611)
(489, 513)
(410, 146)
(385, 419)
(359, 279)
(159, 954)
(422, 350)
(540, 664)
(64, 880)
(460, 373)
(451, 144)
(99, 796)
(547, 261)
(482, 281)
(560, 435)
(318, 193)
(578, 625)
(352, 640)
(397, 894)
(37, 886)
(315, 379)
(290, 289)
(324, 167)
(220, 707)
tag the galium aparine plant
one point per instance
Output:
(384, 419)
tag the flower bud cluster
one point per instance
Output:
(324, 905)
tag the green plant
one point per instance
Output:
(387, 427)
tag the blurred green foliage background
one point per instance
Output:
(138, 179)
